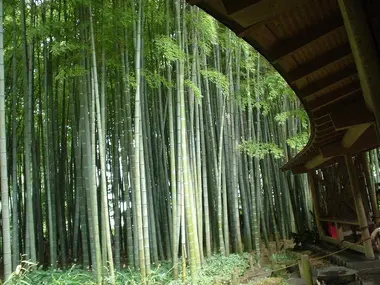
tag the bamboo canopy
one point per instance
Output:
(312, 44)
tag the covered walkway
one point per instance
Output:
(328, 52)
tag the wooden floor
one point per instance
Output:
(369, 270)
(348, 258)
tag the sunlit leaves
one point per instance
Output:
(194, 88)
(67, 72)
(168, 48)
(60, 48)
(154, 79)
(299, 141)
(300, 113)
(219, 79)
(260, 150)
(276, 86)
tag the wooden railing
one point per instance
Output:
(339, 241)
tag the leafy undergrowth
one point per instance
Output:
(217, 266)
(284, 257)
(221, 268)
(270, 281)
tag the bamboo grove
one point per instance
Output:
(139, 131)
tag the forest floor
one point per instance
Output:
(216, 270)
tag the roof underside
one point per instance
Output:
(306, 41)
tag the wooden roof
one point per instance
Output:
(306, 41)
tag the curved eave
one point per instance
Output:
(306, 42)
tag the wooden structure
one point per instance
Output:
(328, 52)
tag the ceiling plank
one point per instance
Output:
(289, 46)
(366, 141)
(334, 96)
(328, 81)
(343, 117)
(315, 161)
(353, 134)
(336, 105)
(252, 12)
(233, 6)
(319, 62)
(319, 121)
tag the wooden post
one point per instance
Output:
(250, 262)
(371, 188)
(315, 203)
(364, 52)
(306, 271)
(362, 218)
(339, 233)
(235, 277)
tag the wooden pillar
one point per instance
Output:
(362, 218)
(314, 198)
(306, 270)
(371, 188)
(364, 52)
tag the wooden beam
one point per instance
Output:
(343, 118)
(370, 187)
(315, 161)
(319, 62)
(319, 121)
(328, 81)
(326, 132)
(362, 144)
(322, 141)
(310, 176)
(233, 6)
(355, 188)
(331, 108)
(365, 142)
(247, 15)
(364, 52)
(217, 12)
(193, 2)
(345, 244)
(353, 134)
(311, 34)
(334, 96)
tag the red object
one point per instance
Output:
(332, 230)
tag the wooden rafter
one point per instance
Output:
(330, 139)
(289, 46)
(319, 121)
(367, 140)
(252, 12)
(233, 6)
(328, 81)
(353, 134)
(334, 96)
(342, 118)
(319, 62)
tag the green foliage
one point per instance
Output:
(222, 267)
(284, 257)
(269, 281)
(154, 79)
(259, 150)
(217, 265)
(300, 113)
(205, 25)
(219, 79)
(67, 72)
(168, 48)
(192, 86)
(298, 141)
(63, 47)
